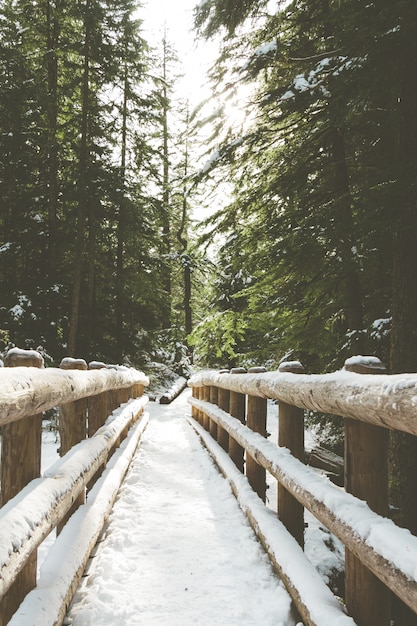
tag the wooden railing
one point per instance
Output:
(380, 557)
(91, 431)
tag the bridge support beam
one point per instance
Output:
(238, 410)
(256, 421)
(214, 399)
(366, 477)
(223, 403)
(291, 436)
(72, 427)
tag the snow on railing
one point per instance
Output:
(380, 557)
(90, 431)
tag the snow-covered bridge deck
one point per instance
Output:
(177, 550)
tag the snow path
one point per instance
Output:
(178, 551)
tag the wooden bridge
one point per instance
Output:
(229, 415)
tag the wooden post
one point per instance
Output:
(366, 477)
(96, 416)
(291, 436)
(72, 427)
(199, 396)
(223, 401)
(256, 421)
(20, 463)
(214, 398)
(138, 390)
(194, 412)
(205, 395)
(112, 396)
(237, 409)
(97, 405)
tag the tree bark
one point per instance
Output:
(121, 226)
(166, 222)
(52, 43)
(352, 300)
(82, 191)
(403, 356)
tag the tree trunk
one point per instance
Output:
(183, 240)
(403, 447)
(121, 226)
(82, 192)
(166, 222)
(352, 302)
(52, 43)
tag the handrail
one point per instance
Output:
(49, 498)
(383, 400)
(33, 506)
(25, 391)
(373, 401)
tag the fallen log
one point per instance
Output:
(175, 390)
(326, 460)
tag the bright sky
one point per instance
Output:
(177, 15)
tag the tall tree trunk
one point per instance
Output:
(82, 193)
(91, 280)
(183, 240)
(404, 290)
(121, 226)
(53, 31)
(404, 284)
(166, 222)
(352, 301)
(403, 356)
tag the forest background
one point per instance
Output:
(311, 254)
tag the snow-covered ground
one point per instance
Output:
(177, 549)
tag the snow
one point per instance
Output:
(214, 158)
(348, 517)
(28, 354)
(67, 556)
(369, 361)
(380, 399)
(28, 518)
(266, 48)
(178, 550)
(16, 311)
(300, 83)
(323, 607)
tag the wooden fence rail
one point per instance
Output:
(90, 431)
(380, 557)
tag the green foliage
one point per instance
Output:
(216, 339)
(81, 180)
(314, 179)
